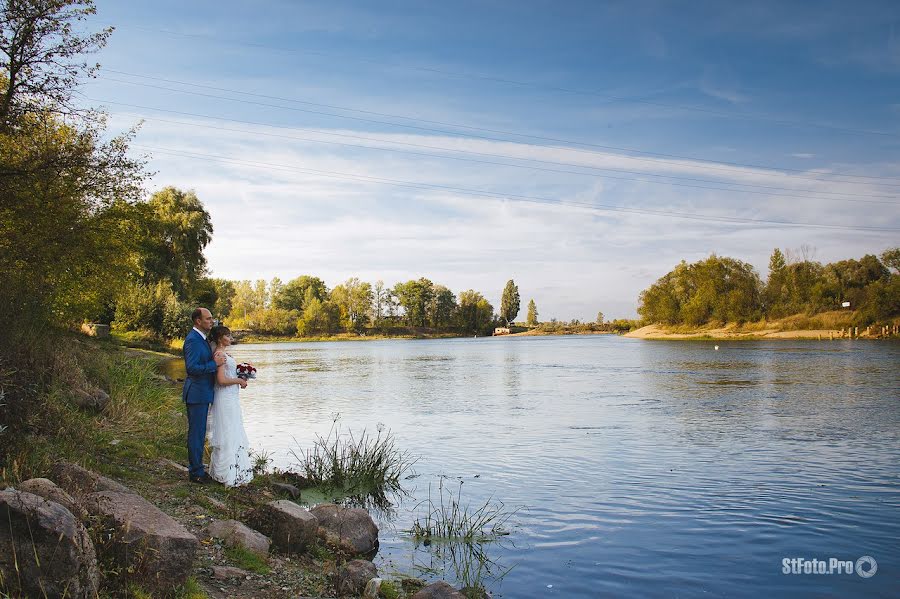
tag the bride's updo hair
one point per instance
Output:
(217, 332)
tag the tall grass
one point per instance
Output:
(354, 463)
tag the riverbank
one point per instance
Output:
(751, 333)
(137, 439)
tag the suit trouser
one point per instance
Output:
(196, 437)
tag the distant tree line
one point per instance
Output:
(721, 289)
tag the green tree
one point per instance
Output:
(891, 259)
(475, 313)
(415, 297)
(178, 229)
(509, 302)
(294, 293)
(532, 318)
(248, 299)
(599, 317)
(442, 308)
(354, 299)
(319, 318)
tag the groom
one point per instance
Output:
(198, 389)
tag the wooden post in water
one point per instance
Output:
(831, 335)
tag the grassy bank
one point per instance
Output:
(139, 440)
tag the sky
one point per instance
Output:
(582, 149)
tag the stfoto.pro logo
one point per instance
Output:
(865, 566)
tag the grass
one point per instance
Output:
(346, 462)
(247, 560)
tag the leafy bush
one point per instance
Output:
(153, 308)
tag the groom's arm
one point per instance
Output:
(195, 361)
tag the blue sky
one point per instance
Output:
(524, 122)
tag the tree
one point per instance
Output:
(891, 259)
(293, 294)
(41, 56)
(475, 313)
(509, 302)
(442, 307)
(599, 317)
(319, 318)
(415, 297)
(178, 229)
(532, 319)
(775, 291)
(354, 299)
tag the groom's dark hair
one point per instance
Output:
(197, 313)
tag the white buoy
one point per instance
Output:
(717, 348)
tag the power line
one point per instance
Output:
(518, 83)
(870, 179)
(631, 179)
(514, 197)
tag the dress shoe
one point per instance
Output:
(201, 480)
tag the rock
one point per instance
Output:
(290, 527)
(148, 544)
(353, 577)
(79, 482)
(411, 585)
(291, 490)
(48, 490)
(234, 533)
(228, 572)
(351, 529)
(91, 399)
(373, 589)
(438, 590)
(174, 465)
(475, 593)
(95, 329)
(44, 550)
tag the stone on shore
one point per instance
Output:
(152, 547)
(45, 551)
(289, 489)
(228, 573)
(237, 534)
(352, 577)
(351, 529)
(291, 527)
(47, 489)
(91, 399)
(80, 482)
(438, 590)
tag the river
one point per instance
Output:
(629, 467)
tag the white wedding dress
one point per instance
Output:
(229, 462)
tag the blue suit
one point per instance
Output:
(198, 392)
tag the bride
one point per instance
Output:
(230, 460)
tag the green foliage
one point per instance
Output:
(475, 314)
(177, 228)
(319, 318)
(153, 308)
(509, 302)
(718, 288)
(891, 259)
(294, 294)
(442, 307)
(354, 300)
(247, 560)
(415, 297)
(532, 318)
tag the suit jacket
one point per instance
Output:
(199, 386)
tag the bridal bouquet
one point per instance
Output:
(246, 371)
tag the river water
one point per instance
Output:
(631, 467)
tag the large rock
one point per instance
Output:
(149, 545)
(91, 399)
(352, 577)
(48, 490)
(236, 534)
(80, 482)
(438, 590)
(351, 529)
(290, 527)
(44, 550)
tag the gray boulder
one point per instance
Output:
(79, 482)
(235, 533)
(291, 527)
(44, 550)
(352, 577)
(228, 573)
(149, 545)
(48, 490)
(288, 489)
(438, 590)
(91, 399)
(351, 529)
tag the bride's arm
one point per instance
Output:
(222, 379)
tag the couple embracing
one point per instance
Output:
(211, 396)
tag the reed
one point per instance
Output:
(448, 519)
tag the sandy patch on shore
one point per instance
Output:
(654, 331)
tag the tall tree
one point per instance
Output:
(42, 56)
(354, 299)
(293, 294)
(509, 302)
(415, 296)
(178, 229)
(891, 259)
(532, 318)
(475, 313)
(442, 307)
(599, 317)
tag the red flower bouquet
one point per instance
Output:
(246, 371)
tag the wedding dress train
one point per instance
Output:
(229, 462)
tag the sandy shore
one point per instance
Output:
(654, 331)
